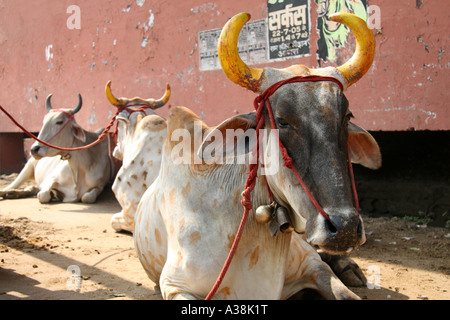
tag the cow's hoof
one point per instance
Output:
(345, 269)
(88, 198)
(44, 196)
(117, 222)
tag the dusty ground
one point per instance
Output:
(40, 245)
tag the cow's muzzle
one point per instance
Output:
(340, 234)
(35, 152)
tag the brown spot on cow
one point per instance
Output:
(158, 236)
(172, 194)
(181, 224)
(254, 258)
(225, 291)
(185, 190)
(231, 240)
(180, 257)
(160, 260)
(194, 238)
(237, 197)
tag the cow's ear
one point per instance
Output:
(123, 119)
(78, 132)
(363, 147)
(233, 137)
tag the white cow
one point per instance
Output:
(140, 137)
(67, 176)
(187, 220)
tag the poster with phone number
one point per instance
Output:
(289, 28)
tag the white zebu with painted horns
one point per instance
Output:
(187, 220)
(140, 137)
(67, 176)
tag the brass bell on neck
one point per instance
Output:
(263, 214)
(284, 222)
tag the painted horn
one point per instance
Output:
(121, 102)
(48, 103)
(78, 107)
(111, 98)
(362, 59)
(232, 64)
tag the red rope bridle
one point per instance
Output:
(246, 201)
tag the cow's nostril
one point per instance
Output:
(35, 149)
(359, 229)
(330, 227)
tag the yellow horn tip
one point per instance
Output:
(167, 94)
(113, 100)
(362, 59)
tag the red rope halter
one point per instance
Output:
(246, 201)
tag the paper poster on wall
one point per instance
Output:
(333, 35)
(252, 45)
(289, 28)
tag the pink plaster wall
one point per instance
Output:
(407, 86)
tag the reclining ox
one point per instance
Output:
(66, 176)
(140, 137)
(187, 220)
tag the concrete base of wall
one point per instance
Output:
(12, 158)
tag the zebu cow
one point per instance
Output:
(67, 176)
(187, 220)
(140, 137)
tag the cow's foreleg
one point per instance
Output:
(328, 284)
(91, 195)
(119, 222)
(45, 193)
(317, 275)
(346, 269)
(306, 270)
(26, 174)
(173, 282)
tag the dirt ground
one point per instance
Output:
(43, 247)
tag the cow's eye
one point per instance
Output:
(283, 124)
(348, 117)
(60, 122)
